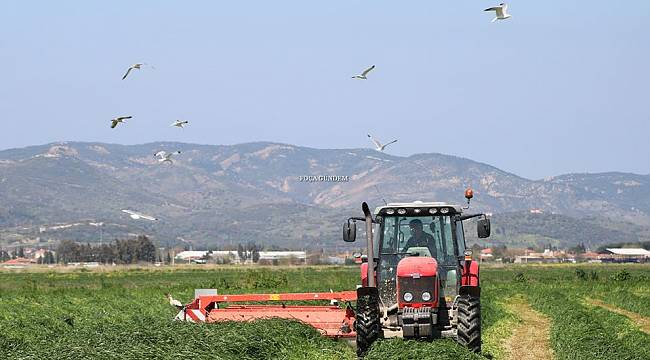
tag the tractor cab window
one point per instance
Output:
(402, 236)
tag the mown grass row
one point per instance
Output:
(580, 331)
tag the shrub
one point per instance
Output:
(622, 275)
(521, 278)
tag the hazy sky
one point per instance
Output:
(546, 92)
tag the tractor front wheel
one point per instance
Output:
(469, 322)
(368, 319)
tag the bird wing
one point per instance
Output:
(366, 71)
(124, 117)
(148, 217)
(494, 8)
(114, 123)
(128, 212)
(500, 10)
(161, 154)
(394, 141)
(127, 73)
(377, 143)
(176, 303)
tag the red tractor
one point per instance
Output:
(418, 279)
(420, 282)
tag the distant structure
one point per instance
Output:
(629, 254)
(265, 256)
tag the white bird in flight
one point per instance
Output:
(174, 302)
(134, 66)
(119, 119)
(164, 156)
(378, 145)
(500, 11)
(137, 216)
(180, 124)
(365, 72)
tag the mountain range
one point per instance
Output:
(272, 194)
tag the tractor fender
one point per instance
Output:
(364, 274)
(470, 274)
(473, 291)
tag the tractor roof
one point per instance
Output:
(424, 206)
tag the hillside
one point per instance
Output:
(229, 194)
(519, 229)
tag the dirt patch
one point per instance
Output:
(531, 338)
(641, 321)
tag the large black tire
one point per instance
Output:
(368, 319)
(469, 322)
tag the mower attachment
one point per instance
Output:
(330, 320)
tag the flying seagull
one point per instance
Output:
(119, 119)
(164, 156)
(174, 302)
(500, 10)
(137, 216)
(180, 124)
(378, 145)
(134, 66)
(364, 73)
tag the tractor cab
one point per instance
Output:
(422, 230)
(418, 279)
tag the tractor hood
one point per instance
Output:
(416, 266)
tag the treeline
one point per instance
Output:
(17, 253)
(119, 252)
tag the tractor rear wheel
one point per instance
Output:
(368, 319)
(469, 322)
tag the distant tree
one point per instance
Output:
(68, 251)
(168, 258)
(252, 251)
(146, 250)
(21, 252)
(242, 253)
(49, 257)
(256, 255)
(578, 249)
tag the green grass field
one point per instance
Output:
(123, 314)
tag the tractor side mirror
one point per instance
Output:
(483, 228)
(349, 231)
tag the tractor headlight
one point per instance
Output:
(426, 296)
(401, 211)
(444, 210)
(433, 211)
(408, 296)
(390, 211)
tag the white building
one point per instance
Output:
(232, 255)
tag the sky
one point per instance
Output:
(560, 87)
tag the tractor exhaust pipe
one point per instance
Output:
(371, 250)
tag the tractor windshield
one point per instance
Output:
(434, 236)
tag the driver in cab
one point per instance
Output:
(420, 238)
